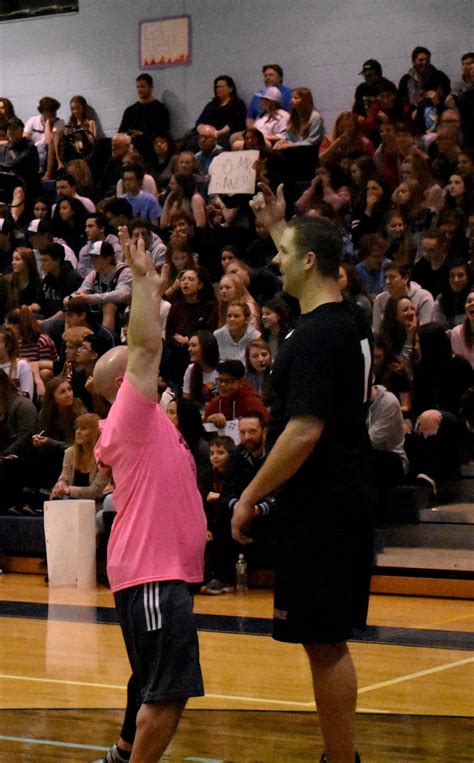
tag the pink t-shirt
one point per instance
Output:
(159, 532)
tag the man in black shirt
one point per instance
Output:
(147, 116)
(320, 462)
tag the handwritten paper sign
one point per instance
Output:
(233, 172)
(164, 42)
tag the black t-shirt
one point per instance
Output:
(149, 118)
(323, 370)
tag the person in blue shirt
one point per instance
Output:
(272, 77)
(144, 205)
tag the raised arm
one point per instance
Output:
(269, 210)
(144, 328)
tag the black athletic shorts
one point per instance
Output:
(161, 640)
(322, 580)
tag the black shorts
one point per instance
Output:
(161, 640)
(322, 581)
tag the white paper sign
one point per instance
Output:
(233, 172)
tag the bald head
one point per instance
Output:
(109, 372)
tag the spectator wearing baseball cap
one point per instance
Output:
(273, 120)
(40, 234)
(108, 287)
(368, 90)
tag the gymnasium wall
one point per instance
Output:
(320, 44)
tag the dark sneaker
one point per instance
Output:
(113, 756)
(215, 587)
(325, 760)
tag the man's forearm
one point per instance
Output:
(289, 453)
(144, 329)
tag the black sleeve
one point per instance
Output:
(126, 123)
(311, 379)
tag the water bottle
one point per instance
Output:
(241, 574)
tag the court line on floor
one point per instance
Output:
(362, 690)
(79, 746)
(418, 674)
(52, 743)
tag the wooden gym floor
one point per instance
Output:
(63, 673)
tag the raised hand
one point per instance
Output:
(268, 208)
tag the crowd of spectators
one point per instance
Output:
(396, 175)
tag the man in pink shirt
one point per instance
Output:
(156, 547)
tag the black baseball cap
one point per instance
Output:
(371, 65)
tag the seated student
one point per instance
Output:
(17, 369)
(149, 183)
(139, 228)
(68, 223)
(352, 289)
(88, 352)
(233, 338)
(243, 466)
(348, 140)
(40, 235)
(118, 212)
(272, 120)
(183, 196)
(258, 365)
(387, 437)
(394, 375)
(220, 450)
(431, 271)
(440, 378)
(57, 418)
(46, 131)
(81, 476)
(66, 363)
(232, 289)
(397, 279)
(305, 126)
(19, 156)
(330, 185)
(277, 322)
(420, 80)
(462, 335)
(37, 348)
(19, 423)
(143, 204)
(261, 251)
(236, 396)
(23, 285)
(178, 258)
(96, 230)
(194, 310)
(78, 313)
(369, 216)
(399, 329)
(59, 282)
(444, 152)
(200, 377)
(66, 188)
(449, 308)
(239, 270)
(108, 287)
(400, 244)
(372, 259)
(81, 131)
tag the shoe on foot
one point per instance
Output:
(215, 587)
(325, 760)
(113, 756)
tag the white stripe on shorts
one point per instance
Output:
(151, 603)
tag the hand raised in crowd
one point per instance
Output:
(268, 208)
(141, 264)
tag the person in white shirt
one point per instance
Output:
(46, 131)
(234, 337)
